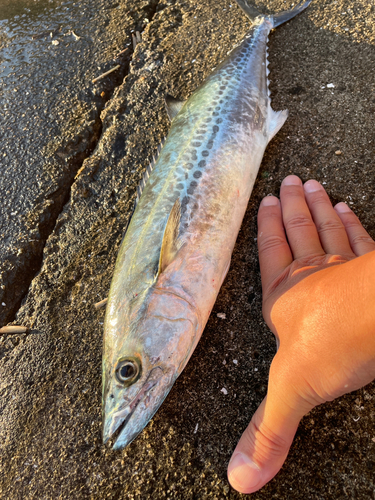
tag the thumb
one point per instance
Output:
(265, 444)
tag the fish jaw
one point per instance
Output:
(160, 344)
(126, 423)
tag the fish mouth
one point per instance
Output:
(123, 426)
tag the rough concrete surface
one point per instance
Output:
(83, 153)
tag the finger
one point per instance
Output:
(359, 239)
(274, 251)
(333, 236)
(300, 229)
(264, 446)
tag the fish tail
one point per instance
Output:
(285, 16)
(277, 19)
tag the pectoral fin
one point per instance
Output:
(169, 246)
(173, 106)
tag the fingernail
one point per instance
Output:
(268, 201)
(342, 207)
(292, 180)
(312, 186)
(243, 474)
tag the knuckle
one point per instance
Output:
(351, 220)
(293, 190)
(265, 442)
(271, 242)
(319, 197)
(358, 239)
(269, 213)
(298, 221)
(329, 225)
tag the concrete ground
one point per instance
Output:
(72, 154)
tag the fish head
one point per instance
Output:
(142, 361)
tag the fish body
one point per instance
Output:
(177, 248)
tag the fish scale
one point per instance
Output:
(178, 244)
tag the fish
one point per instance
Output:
(178, 244)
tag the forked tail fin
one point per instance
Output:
(278, 19)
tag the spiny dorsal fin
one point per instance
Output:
(169, 246)
(148, 171)
(173, 106)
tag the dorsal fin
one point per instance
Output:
(148, 171)
(169, 246)
(142, 184)
(173, 105)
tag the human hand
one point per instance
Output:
(318, 300)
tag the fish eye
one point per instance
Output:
(128, 371)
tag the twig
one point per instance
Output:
(120, 53)
(13, 329)
(105, 74)
(75, 36)
(134, 41)
(100, 304)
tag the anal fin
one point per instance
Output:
(277, 120)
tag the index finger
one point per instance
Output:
(274, 251)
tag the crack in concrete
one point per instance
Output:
(60, 197)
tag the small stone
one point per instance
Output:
(235, 361)
(221, 315)
(224, 391)
(330, 86)
(55, 42)
(338, 152)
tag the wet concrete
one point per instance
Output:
(70, 167)
(51, 119)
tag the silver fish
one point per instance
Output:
(178, 246)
